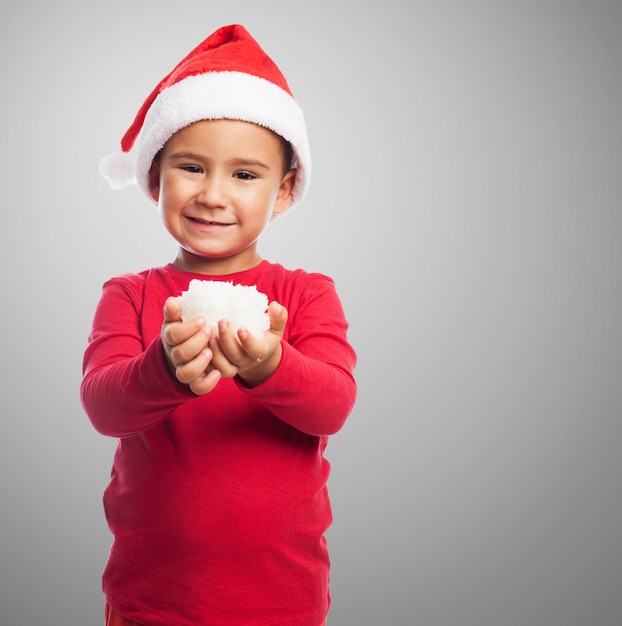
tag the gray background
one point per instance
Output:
(466, 198)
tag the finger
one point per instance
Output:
(257, 350)
(278, 318)
(228, 342)
(176, 333)
(174, 330)
(187, 372)
(188, 350)
(172, 310)
(205, 383)
(220, 360)
(252, 348)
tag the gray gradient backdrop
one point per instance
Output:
(467, 200)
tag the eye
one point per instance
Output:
(192, 169)
(244, 176)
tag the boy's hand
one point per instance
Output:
(186, 349)
(253, 359)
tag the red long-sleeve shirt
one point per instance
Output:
(218, 503)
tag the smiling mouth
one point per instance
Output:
(198, 220)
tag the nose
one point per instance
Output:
(212, 192)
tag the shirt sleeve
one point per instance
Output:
(126, 388)
(313, 389)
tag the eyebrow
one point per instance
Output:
(239, 162)
(184, 155)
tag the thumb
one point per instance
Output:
(172, 310)
(278, 317)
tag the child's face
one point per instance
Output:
(217, 184)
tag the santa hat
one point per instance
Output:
(227, 76)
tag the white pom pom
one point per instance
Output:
(242, 306)
(118, 169)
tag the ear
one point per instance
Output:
(154, 180)
(284, 196)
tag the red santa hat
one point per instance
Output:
(227, 76)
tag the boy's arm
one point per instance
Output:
(312, 396)
(313, 387)
(127, 387)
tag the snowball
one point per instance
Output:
(242, 306)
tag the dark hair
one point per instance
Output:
(288, 153)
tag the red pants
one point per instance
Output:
(112, 618)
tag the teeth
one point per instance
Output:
(198, 220)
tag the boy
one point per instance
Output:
(217, 500)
